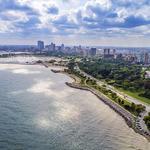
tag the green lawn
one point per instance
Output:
(135, 95)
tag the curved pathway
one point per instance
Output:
(140, 124)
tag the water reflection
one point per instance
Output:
(67, 111)
(43, 122)
(38, 111)
(18, 69)
(25, 71)
(45, 86)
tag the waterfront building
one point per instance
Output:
(40, 45)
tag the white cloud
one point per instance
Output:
(16, 16)
(41, 7)
(81, 18)
(6, 26)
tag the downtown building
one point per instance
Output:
(40, 45)
(110, 53)
(92, 52)
(146, 58)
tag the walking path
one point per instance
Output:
(130, 119)
(140, 124)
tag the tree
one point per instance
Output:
(133, 106)
(113, 95)
(71, 65)
(148, 124)
(140, 108)
(122, 102)
(119, 100)
(146, 119)
(127, 107)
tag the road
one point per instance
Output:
(120, 94)
(139, 123)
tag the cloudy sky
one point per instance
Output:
(86, 22)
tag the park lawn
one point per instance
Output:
(135, 95)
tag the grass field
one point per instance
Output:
(135, 95)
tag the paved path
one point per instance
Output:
(140, 123)
(121, 94)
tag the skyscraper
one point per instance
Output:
(40, 45)
(92, 51)
(114, 52)
(106, 51)
(52, 47)
(62, 47)
(146, 58)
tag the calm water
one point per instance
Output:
(39, 112)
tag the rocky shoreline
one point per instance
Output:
(128, 117)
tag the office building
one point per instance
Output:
(52, 47)
(40, 45)
(92, 51)
(146, 58)
(62, 47)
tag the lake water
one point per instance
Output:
(39, 112)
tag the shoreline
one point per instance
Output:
(129, 118)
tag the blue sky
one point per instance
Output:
(85, 22)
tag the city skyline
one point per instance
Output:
(87, 22)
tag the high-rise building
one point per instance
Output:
(52, 47)
(114, 52)
(146, 58)
(40, 45)
(62, 47)
(92, 51)
(106, 51)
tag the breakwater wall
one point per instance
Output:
(128, 117)
(56, 71)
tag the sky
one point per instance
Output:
(74, 22)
